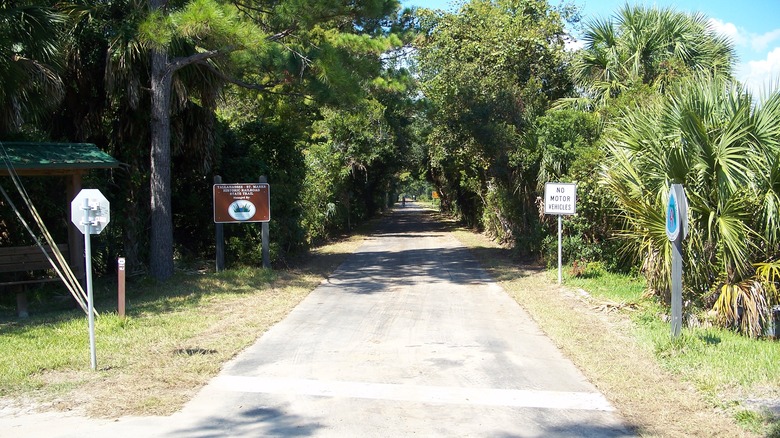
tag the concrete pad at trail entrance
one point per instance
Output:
(409, 337)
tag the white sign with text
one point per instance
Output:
(560, 198)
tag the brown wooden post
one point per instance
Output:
(220, 237)
(121, 283)
(264, 232)
(75, 236)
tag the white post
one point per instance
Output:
(90, 301)
(560, 251)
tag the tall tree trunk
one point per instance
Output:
(161, 245)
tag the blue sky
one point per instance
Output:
(753, 26)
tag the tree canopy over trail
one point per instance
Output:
(345, 106)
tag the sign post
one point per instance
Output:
(219, 230)
(121, 286)
(96, 214)
(243, 202)
(560, 199)
(676, 231)
(265, 232)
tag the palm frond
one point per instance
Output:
(769, 274)
(743, 306)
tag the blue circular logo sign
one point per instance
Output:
(673, 216)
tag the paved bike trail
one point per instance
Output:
(409, 337)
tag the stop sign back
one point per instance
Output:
(99, 213)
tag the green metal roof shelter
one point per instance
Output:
(30, 159)
(69, 160)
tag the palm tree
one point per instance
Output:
(648, 46)
(708, 135)
(262, 45)
(29, 58)
(107, 102)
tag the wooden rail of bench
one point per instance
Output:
(27, 259)
(30, 259)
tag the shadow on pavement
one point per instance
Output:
(580, 431)
(414, 220)
(369, 271)
(260, 421)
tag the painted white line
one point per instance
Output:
(590, 401)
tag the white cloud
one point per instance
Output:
(759, 75)
(761, 42)
(763, 75)
(737, 36)
(572, 44)
(742, 38)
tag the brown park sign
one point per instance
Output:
(235, 203)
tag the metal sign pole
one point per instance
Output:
(560, 249)
(677, 286)
(95, 217)
(90, 299)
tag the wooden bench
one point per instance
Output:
(24, 265)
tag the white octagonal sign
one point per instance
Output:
(99, 212)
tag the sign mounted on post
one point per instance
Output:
(90, 211)
(560, 198)
(98, 213)
(676, 219)
(677, 213)
(236, 203)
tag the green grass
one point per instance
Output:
(750, 420)
(53, 339)
(726, 367)
(710, 356)
(33, 346)
(175, 336)
(619, 288)
(622, 340)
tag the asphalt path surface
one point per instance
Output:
(409, 337)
